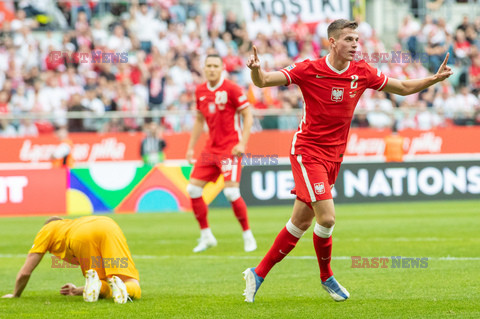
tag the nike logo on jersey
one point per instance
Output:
(281, 252)
(202, 98)
(320, 77)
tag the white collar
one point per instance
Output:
(220, 82)
(333, 68)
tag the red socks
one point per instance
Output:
(240, 210)
(239, 207)
(323, 249)
(200, 210)
(282, 245)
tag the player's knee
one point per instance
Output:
(194, 191)
(302, 224)
(327, 221)
(232, 193)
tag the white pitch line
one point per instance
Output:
(200, 256)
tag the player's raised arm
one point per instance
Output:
(406, 87)
(261, 78)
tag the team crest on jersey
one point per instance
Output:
(211, 107)
(337, 94)
(319, 188)
(290, 67)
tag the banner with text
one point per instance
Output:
(33, 192)
(362, 143)
(370, 182)
(308, 10)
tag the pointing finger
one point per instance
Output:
(445, 61)
(255, 52)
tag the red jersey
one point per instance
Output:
(330, 97)
(220, 105)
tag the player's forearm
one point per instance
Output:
(196, 132)
(247, 127)
(417, 85)
(258, 77)
(21, 283)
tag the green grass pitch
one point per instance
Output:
(179, 284)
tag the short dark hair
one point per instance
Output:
(214, 55)
(338, 25)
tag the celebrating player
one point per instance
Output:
(219, 102)
(98, 245)
(331, 88)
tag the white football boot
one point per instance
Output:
(91, 291)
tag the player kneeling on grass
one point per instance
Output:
(331, 87)
(98, 245)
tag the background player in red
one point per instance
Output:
(219, 104)
(331, 87)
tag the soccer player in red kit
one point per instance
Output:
(220, 102)
(331, 87)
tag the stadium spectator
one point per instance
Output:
(63, 154)
(465, 106)
(92, 242)
(219, 102)
(474, 74)
(7, 129)
(394, 146)
(444, 103)
(462, 47)
(151, 149)
(318, 145)
(232, 26)
(425, 118)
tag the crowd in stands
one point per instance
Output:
(93, 58)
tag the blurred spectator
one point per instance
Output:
(465, 106)
(156, 88)
(4, 106)
(425, 118)
(232, 26)
(474, 74)
(27, 128)
(118, 42)
(461, 47)
(95, 105)
(63, 154)
(394, 146)
(445, 103)
(153, 144)
(7, 129)
(75, 105)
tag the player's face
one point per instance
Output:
(213, 69)
(346, 44)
